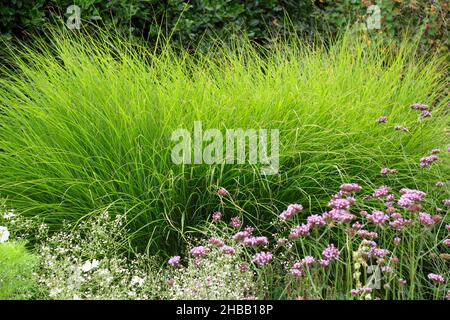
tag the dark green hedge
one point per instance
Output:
(260, 20)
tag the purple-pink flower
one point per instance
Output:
(426, 219)
(228, 250)
(235, 222)
(223, 192)
(216, 216)
(262, 257)
(198, 251)
(378, 217)
(382, 119)
(436, 277)
(291, 210)
(174, 260)
(419, 106)
(256, 241)
(331, 253)
(350, 187)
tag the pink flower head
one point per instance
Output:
(324, 262)
(216, 216)
(174, 260)
(409, 197)
(426, 161)
(338, 203)
(315, 220)
(419, 106)
(281, 242)
(426, 219)
(367, 234)
(386, 171)
(296, 272)
(256, 241)
(436, 277)
(235, 222)
(397, 240)
(215, 242)
(439, 184)
(425, 114)
(446, 202)
(228, 250)
(223, 192)
(446, 242)
(435, 151)
(301, 230)
(382, 119)
(331, 253)
(198, 251)
(262, 258)
(402, 281)
(381, 192)
(291, 210)
(350, 187)
(308, 260)
(378, 217)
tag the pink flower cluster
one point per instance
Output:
(291, 210)
(409, 197)
(216, 242)
(330, 253)
(228, 250)
(235, 222)
(350, 187)
(382, 119)
(426, 219)
(381, 192)
(262, 258)
(223, 192)
(436, 277)
(386, 171)
(426, 161)
(216, 216)
(361, 291)
(419, 106)
(378, 217)
(255, 241)
(174, 260)
(198, 251)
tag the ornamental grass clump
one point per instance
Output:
(86, 122)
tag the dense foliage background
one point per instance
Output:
(189, 20)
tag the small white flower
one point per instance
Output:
(137, 281)
(4, 234)
(9, 214)
(88, 265)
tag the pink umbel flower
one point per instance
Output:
(386, 171)
(419, 106)
(409, 197)
(446, 242)
(315, 220)
(378, 217)
(361, 291)
(381, 192)
(435, 151)
(339, 215)
(402, 281)
(382, 119)
(262, 258)
(339, 203)
(241, 235)
(399, 223)
(330, 253)
(350, 187)
(223, 192)
(301, 230)
(281, 242)
(367, 234)
(397, 240)
(174, 260)
(426, 219)
(216, 216)
(256, 241)
(426, 161)
(446, 202)
(215, 242)
(296, 272)
(447, 226)
(436, 277)
(324, 262)
(425, 114)
(291, 210)
(308, 260)
(235, 222)
(198, 251)
(228, 250)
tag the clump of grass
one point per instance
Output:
(86, 123)
(17, 265)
